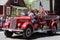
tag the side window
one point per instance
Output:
(15, 1)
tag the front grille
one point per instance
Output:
(13, 24)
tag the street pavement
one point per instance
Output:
(35, 36)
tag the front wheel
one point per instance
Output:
(8, 33)
(27, 33)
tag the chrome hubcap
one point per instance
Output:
(28, 32)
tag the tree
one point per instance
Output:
(29, 4)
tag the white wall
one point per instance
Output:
(45, 3)
(53, 3)
(36, 4)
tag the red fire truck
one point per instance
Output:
(23, 26)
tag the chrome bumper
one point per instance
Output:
(12, 30)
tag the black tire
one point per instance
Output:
(27, 32)
(53, 31)
(8, 33)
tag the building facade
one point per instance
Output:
(8, 6)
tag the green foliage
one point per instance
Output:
(29, 3)
(14, 13)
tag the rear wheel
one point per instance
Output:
(27, 33)
(53, 31)
(8, 33)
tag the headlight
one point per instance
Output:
(18, 24)
(6, 23)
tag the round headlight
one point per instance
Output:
(6, 23)
(18, 24)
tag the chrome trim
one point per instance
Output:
(13, 24)
(12, 30)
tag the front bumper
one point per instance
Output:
(12, 30)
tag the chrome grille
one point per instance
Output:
(13, 24)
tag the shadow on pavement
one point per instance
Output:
(1, 30)
(35, 36)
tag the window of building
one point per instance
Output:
(15, 1)
(1, 9)
(8, 11)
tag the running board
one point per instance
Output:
(42, 31)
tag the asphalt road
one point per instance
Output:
(35, 36)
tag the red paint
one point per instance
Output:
(26, 20)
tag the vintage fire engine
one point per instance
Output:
(23, 26)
